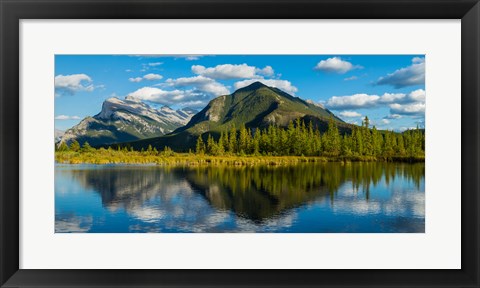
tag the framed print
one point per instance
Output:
(200, 143)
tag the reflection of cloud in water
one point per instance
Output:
(212, 221)
(283, 221)
(401, 203)
(147, 214)
(193, 221)
(360, 207)
(65, 223)
(144, 229)
(161, 194)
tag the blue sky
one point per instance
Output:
(389, 89)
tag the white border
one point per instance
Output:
(439, 247)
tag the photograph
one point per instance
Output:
(162, 143)
(142, 140)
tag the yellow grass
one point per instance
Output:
(103, 156)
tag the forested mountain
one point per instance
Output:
(254, 106)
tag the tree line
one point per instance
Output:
(299, 139)
(86, 147)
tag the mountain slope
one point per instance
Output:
(255, 106)
(126, 120)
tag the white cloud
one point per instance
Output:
(335, 65)
(393, 116)
(417, 95)
(201, 83)
(267, 71)
(232, 71)
(188, 81)
(418, 60)
(350, 78)
(149, 77)
(66, 117)
(414, 96)
(136, 79)
(189, 98)
(385, 121)
(70, 84)
(408, 76)
(157, 95)
(155, 64)
(152, 76)
(353, 101)
(225, 71)
(370, 101)
(192, 58)
(280, 84)
(350, 114)
(392, 97)
(408, 109)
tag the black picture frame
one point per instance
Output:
(14, 10)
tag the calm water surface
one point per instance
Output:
(321, 197)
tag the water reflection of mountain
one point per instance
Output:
(130, 186)
(256, 193)
(261, 192)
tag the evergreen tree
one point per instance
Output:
(243, 140)
(389, 145)
(75, 146)
(309, 140)
(347, 146)
(223, 142)
(377, 142)
(200, 146)
(331, 140)
(212, 146)
(400, 146)
(221, 145)
(86, 147)
(232, 141)
(357, 141)
(256, 142)
(317, 144)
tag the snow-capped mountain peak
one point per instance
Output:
(127, 120)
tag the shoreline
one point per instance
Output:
(229, 160)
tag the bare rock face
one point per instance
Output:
(216, 108)
(126, 120)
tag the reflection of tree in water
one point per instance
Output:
(256, 193)
(261, 192)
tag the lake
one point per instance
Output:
(305, 198)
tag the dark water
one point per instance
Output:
(326, 198)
